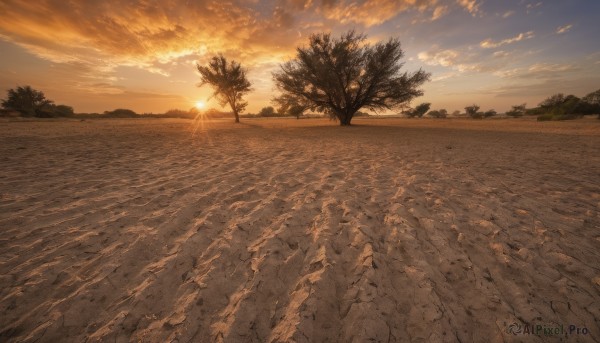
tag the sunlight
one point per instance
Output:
(200, 105)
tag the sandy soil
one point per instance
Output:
(293, 231)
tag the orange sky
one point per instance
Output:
(101, 55)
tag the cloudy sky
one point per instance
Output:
(98, 55)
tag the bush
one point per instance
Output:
(418, 111)
(177, 113)
(490, 113)
(268, 111)
(120, 113)
(561, 105)
(63, 110)
(472, 111)
(517, 111)
(555, 117)
(438, 113)
(28, 101)
(536, 111)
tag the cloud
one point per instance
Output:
(489, 43)
(532, 6)
(507, 14)
(470, 5)
(444, 58)
(449, 58)
(370, 12)
(442, 77)
(500, 54)
(563, 29)
(139, 33)
(540, 89)
(466, 61)
(538, 71)
(151, 35)
(438, 12)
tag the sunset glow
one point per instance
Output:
(200, 105)
(141, 55)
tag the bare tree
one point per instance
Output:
(228, 81)
(341, 76)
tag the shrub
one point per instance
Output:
(120, 113)
(559, 105)
(545, 117)
(28, 101)
(490, 113)
(517, 111)
(63, 110)
(419, 111)
(438, 113)
(472, 111)
(554, 117)
(268, 111)
(177, 113)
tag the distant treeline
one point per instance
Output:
(174, 113)
(555, 107)
(28, 102)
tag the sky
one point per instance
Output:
(98, 55)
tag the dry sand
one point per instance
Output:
(293, 231)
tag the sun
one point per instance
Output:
(200, 105)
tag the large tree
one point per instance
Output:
(339, 76)
(26, 100)
(228, 81)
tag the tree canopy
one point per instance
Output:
(517, 111)
(442, 113)
(228, 81)
(339, 76)
(27, 101)
(419, 110)
(268, 111)
(472, 110)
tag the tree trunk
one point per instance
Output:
(345, 118)
(235, 111)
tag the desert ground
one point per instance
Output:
(285, 230)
